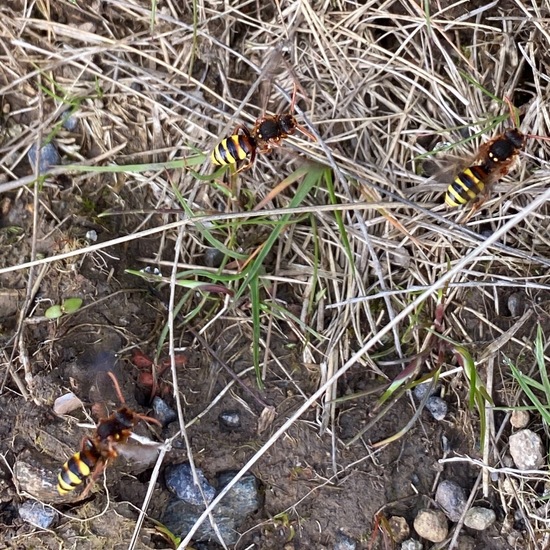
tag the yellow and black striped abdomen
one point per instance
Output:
(233, 149)
(466, 186)
(78, 468)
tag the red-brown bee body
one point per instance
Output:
(494, 160)
(96, 451)
(267, 132)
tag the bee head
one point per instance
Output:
(288, 123)
(515, 137)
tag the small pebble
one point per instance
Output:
(70, 122)
(479, 518)
(230, 420)
(163, 413)
(91, 235)
(343, 542)
(465, 542)
(527, 450)
(510, 486)
(36, 477)
(421, 390)
(437, 407)
(399, 528)
(411, 544)
(49, 156)
(242, 500)
(151, 270)
(172, 432)
(431, 525)
(37, 514)
(516, 539)
(516, 304)
(67, 403)
(213, 257)
(519, 419)
(507, 461)
(179, 480)
(452, 499)
(396, 258)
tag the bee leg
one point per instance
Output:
(244, 167)
(478, 204)
(245, 130)
(248, 164)
(149, 419)
(268, 147)
(117, 387)
(305, 132)
(97, 471)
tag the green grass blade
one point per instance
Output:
(313, 175)
(329, 182)
(256, 333)
(526, 384)
(539, 357)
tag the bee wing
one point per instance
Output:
(139, 450)
(276, 67)
(436, 172)
(270, 70)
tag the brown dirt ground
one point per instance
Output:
(296, 473)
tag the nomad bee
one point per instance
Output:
(494, 160)
(268, 132)
(111, 433)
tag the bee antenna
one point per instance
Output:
(293, 100)
(149, 419)
(513, 114)
(117, 387)
(306, 132)
(533, 136)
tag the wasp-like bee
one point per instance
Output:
(495, 159)
(110, 435)
(237, 147)
(268, 132)
(79, 467)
